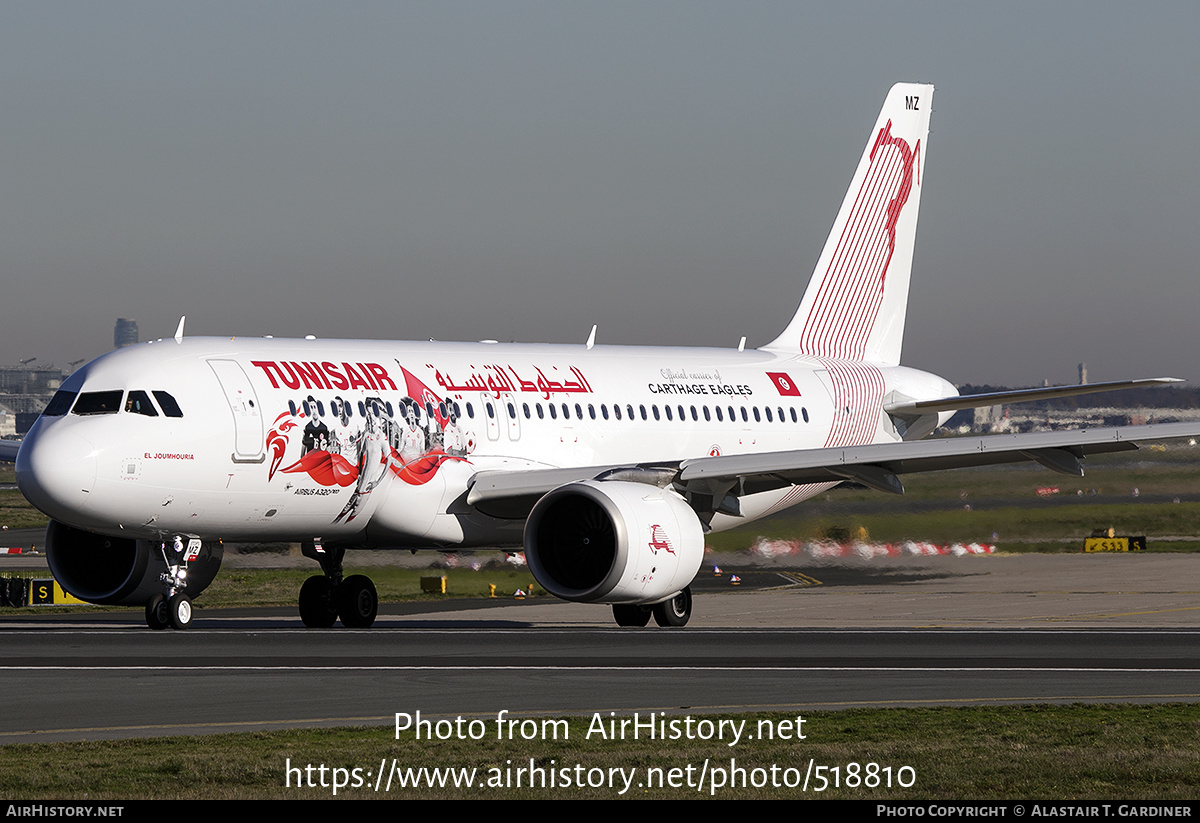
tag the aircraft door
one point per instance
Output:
(243, 404)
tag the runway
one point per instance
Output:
(952, 631)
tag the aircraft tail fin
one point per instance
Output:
(855, 304)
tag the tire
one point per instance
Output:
(627, 615)
(180, 610)
(316, 603)
(157, 615)
(676, 611)
(357, 602)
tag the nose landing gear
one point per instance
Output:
(173, 608)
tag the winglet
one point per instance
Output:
(179, 330)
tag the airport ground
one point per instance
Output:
(798, 635)
(1007, 672)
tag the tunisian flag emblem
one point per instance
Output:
(784, 384)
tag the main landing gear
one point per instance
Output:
(173, 608)
(674, 612)
(324, 598)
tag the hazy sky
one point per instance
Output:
(669, 171)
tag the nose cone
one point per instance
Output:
(56, 471)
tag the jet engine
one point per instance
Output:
(119, 570)
(613, 542)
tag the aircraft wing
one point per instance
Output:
(512, 494)
(8, 450)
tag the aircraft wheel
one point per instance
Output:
(316, 603)
(357, 602)
(631, 615)
(676, 611)
(157, 615)
(180, 609)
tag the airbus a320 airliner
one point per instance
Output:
(607, 464)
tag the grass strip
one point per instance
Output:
(1079, 752)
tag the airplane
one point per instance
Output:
(606, 464)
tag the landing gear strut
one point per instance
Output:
(324, 598)
(173, 608)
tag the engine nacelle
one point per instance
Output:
(613, 542)
(119, 570)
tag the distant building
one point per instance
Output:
(125, 333)
(8, 422)
(25, 390)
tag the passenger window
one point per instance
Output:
(138, 402)
(98, 402)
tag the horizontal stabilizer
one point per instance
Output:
(8, 450)
(975, 401)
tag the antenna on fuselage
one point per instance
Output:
(179, 330)
(742, 345)
(592, 338)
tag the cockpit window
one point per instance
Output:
(98, 402)
(139, 403)
(167, 403)
(60, 403)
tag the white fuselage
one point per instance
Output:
(373, 443)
